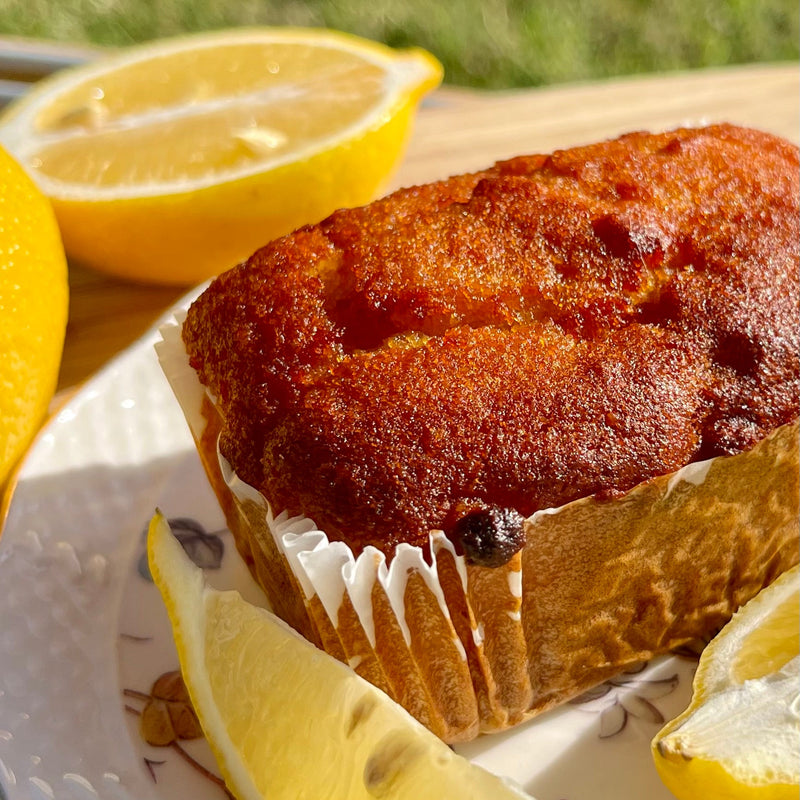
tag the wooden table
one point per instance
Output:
(456, 130)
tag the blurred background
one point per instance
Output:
(491, 44)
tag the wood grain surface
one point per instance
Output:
(460, 130)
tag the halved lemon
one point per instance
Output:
(286, 720)
(172, 161)
(740, 737)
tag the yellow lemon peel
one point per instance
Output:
(170, 162)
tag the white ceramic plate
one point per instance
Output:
(83, 635)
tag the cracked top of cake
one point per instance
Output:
(554, 327)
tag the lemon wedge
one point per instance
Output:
(740, 736)
(172, 161)
(286, 720)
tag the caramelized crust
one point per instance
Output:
(551, 328)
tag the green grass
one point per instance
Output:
(482, 43)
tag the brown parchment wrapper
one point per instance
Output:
(598, 585)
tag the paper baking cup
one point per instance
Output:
(597, 586)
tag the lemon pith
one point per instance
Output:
(766, 650)
(740, 736)
(33, 309)
(173, 161)
(270, 703)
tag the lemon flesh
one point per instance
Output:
(740, 736)
(171, 162)
(33, 310)
(285, 719)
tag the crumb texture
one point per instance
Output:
(551, 328)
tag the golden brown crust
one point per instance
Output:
(551, 328)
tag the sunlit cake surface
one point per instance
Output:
(552, 328)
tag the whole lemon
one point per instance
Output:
(33, 309)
